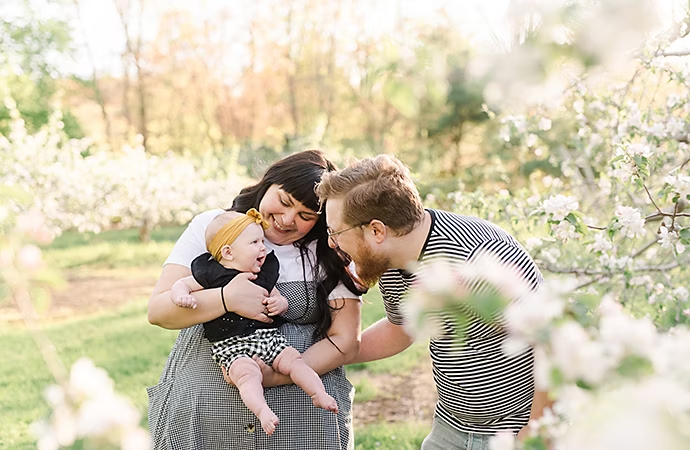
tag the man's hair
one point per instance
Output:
(375, 188)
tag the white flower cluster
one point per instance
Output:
(127, 188)
(601, 243)
(564, 231)
(669, 238)
(656, 399)
(557, 207)
(88, 409)
(680, 184)
(630, 221)
(632, 373)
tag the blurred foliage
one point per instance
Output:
(32, 49)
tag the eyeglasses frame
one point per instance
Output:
(331, 235)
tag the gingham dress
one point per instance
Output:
(193, 407)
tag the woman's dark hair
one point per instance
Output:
(297, 175)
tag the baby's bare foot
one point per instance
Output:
(268, 420)
(325, 401)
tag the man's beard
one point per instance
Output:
(370, 266)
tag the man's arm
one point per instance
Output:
(541, 401)
(382, 340)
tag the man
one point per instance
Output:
(375, 215)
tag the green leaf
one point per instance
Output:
(534, 443)
(617, 158)
(634, 366)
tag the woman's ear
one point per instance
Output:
(226, 252)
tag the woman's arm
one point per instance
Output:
(323, 356)
(241, 296)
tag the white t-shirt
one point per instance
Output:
(192, 243)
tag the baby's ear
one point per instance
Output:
(226, 252)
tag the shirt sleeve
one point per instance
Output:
(342, 291)
(192, 242)
(268, 276)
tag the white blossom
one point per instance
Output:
(559, 206)
(576, 355)
(622, 335)
(672, 100)
(502, 441)
(88, 408)
(630, 221)
(681, 293)
(533, 243)
(601, 243)
(680, 183)
(623, 171)
(635, 416)
(564, 231)
(544, 124)
(537, 309)
(670, 239)
(640, 150)
(29, 258)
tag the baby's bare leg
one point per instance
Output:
(290, 362)
(246, 375)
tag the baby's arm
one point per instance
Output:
(181, 290)
(276, 304)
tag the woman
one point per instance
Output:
(193, 406)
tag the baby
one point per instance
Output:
(235, 242)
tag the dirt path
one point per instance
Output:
(399, 398)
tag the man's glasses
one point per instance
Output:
(332, 234)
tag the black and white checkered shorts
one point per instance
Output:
(265, 343)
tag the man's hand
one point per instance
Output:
(523, 433)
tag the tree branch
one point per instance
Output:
(674, 53)
(602, 273)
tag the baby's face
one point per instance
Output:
(248, 250)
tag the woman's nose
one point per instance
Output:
(289, 217)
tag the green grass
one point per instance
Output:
(110, 249)
(133, 352)
(121, 342)
(399, 436)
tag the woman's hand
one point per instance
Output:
(246, 298)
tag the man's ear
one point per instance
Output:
(379, 230)
(226, 252)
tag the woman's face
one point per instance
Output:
(289, 219)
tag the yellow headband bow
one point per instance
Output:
(231, 230)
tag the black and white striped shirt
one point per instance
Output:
(480, 389)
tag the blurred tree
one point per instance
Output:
(33, 46)
(131, 14)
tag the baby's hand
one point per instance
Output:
(276, 304)
(185, 301)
